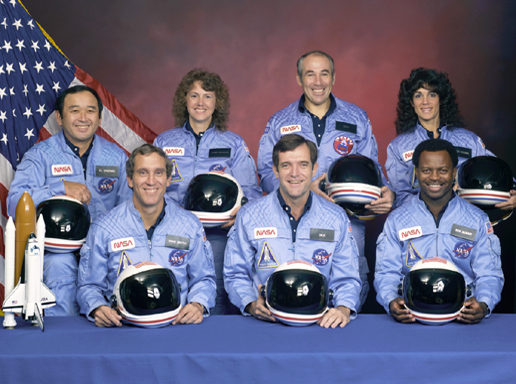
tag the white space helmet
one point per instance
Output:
(353, 182)
(147, 295)
(67, 221)
(486, 181)
(434, 291)
(297, 293)
(212, 196)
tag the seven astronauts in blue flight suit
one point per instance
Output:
(299, 144)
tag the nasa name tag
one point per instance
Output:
(122, 244)
(62, 169)
(174, 151)
(177, 242)
(463, 232)
(265, 233)
(106, 171)
(220, 152)
(463, 152)
(346, 127)
(290, 129)
(410, 233)
(407, 156)
(322, 234)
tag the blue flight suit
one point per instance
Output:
(262, 239)
(178, 243)
(218, 151)
(347, 132)
(464, 235)
(400, 168)
(42, 172)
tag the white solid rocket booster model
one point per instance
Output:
(30, 296)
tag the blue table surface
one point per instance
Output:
(237, 348)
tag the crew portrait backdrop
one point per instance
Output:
(140, 49)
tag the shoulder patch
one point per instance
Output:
(123, 263)
(412, 256)
(176, 174)
(267, 258)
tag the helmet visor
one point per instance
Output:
(434, 291)
(210, 193)
(64, 219)
(298, 292)
(150, 292)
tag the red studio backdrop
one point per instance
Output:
(140, 50)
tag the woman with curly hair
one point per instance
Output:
(427, 108)
(202, 143)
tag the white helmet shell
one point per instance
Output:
(152, 308)
(213, 208)
(434, 291)
(311, 293)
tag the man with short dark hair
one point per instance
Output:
(293, 223)
(433, 223)
(339, 128)
(148, 227)
(75, 162)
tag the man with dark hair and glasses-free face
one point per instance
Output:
(292, 223)
(437, 222)
(148, 227)
(75, 162)
(337, 127)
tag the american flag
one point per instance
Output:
(33, 72)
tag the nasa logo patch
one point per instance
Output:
(217, 167)
(290, 129)
(176, 258)
(267, 129)
(462, 250)
(62, 169)
(343, 145)
(320, 257)
(105, 185)
(407, 156)
(267, 259)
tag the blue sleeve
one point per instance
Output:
(268, 181)
(399, 173)
(389, 266)
(244, 171)
(201, 272)
(238, 267)
(30, 177)
(487, 268)
(92, 282)
(124, 192)
(345, 278)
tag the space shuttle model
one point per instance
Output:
(24, 249)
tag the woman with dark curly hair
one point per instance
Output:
(202, 143)
(427, 108)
